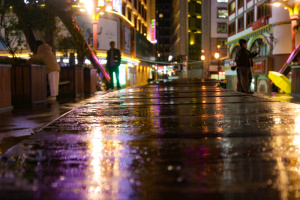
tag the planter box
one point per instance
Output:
(90, 80)
(74, 75)
(28, 84)
(5, 88)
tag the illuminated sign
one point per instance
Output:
(100, 3)
(259, 23)
(232, 63)
(122, 75)
(153, 31)
(116, 4)
(259, 67)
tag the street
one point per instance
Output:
(176, 139)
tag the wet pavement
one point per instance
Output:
(180, 139)
(24, 120)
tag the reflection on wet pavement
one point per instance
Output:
(173, 140)
(24, 120)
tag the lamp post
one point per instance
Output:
(202, 58)
(92, 6)
(217, 56)
(293, 9)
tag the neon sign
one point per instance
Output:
(153, 31)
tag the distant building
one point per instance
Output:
(214, 33)
(186, 36)
(163, 24)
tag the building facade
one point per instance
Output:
(179, 32)
(198, 27)
(214, 36)
(186, 37)
(265, 27)
(129, 25)
(163, 24)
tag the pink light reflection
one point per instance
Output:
(289, 59)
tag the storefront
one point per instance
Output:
(269, 58)
(216, 72)
(260, 81)
(136, 51)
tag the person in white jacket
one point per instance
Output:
(44, 53)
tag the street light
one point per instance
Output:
(217, 56)
(202, 56)
(293, 9)
(92, 7)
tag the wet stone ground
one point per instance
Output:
(23, 120)
(181, 139)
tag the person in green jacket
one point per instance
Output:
(113, 58)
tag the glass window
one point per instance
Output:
(140, 8)
(129, 12)
(250, 18)
(233, 53)
(231, 7)
(123, 9)
(222, 42)
(222, 28)
(240, 23)
(222, 13)
(140, 26)
(240, 3)
(263, 10)
(222, 1)
(135, 21)
(231, 29)
(260, 44)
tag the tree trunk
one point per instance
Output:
(50, 35)
(19, 8)
(65, 16)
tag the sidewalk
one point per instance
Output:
(180, 139)
(24, 120)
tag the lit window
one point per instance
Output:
(222, 13)
(231, 7)
(222, 1)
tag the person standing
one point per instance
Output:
(113, 58)
(244, 63)
(44, 53)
